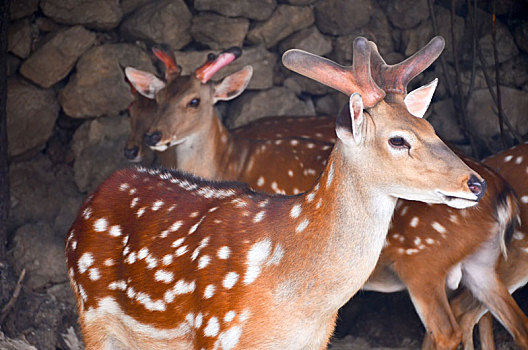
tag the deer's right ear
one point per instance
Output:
(350, 120)
(232, 85)
(147, 84)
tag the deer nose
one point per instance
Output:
(153, 139)
(131, 153)
(478, 187)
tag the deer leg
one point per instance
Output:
(430, 301)
(483, 281)
(486, 332)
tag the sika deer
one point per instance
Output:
(159, 259)
(512, 269)
(185, 112)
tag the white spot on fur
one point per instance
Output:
(87, 213)
(518, 235)
(411, 251)
(438, 227)
(94, 274)
(209, 291)
(174, 227)
(453, 218)
(100, 225)
(131, 258)
(203, 261)
(117, 285)
(524, 199)
(276, 256)
(229, 339)
(85, 261)
(414, 221)
(518, 160)
(140, 212)
(256, 256)
(230, 279)
(330, 177)
(177, 242)
(430, 241)
(302, 226)
(195, 226)
(212, 328)
(290, 173)
(295, 211)
(261, 181)
(109, 262)
(181, 250)
(294, 142)
(134, 202)
(259, 216)
(164, 276)
(229, 316)
(142, 253)
(223, 252)
(167, 259)
(508, 158)
(157, 204)
(115, 231)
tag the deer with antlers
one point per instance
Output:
(160, 259)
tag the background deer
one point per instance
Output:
(184, 110)
(512, 269)
(161, 259)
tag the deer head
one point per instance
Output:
(186, 103)
(382, 130)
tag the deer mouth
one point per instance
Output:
(457, 200)
(162, 146)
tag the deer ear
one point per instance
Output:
(417, 101)
(232, 85)
(350, 120)
(147, 84)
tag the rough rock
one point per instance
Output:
(98, 86)
(329, 104)
(98, 149)
(284, 21)
(42, 319)
(219, 32)
(443, 119)
(129, 6)
(310, 40)
(406, 14)
(300, 2)
(414, 39)
(259, 10)
(56, 58)
(277, 101)
(31, 115)
(7, 343)
(164, 21)
(40, 251)
(482, 111)
(301, 84)
(506, 47)
(521, 36)
(12, 64)
(22, 8)
(19, 38)
(514, 73)
(263, 63)
(337, 17)
(40, 191)
(99, 14)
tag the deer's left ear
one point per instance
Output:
(147, 84)
(232, 85)
(417, 101)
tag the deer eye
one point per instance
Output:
(195, 102)
(399, 142)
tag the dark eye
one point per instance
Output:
(195, 102)
(399, 142)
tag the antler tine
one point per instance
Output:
(355, 78)
(165, 54)
(395, 78)
(214, 63)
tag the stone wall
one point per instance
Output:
(67, 97)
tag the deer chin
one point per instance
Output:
(162, 146)
(459, 200)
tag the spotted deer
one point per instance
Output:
(184, 110)
(512, 268)
(160, 259)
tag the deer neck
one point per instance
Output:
(208, 151)
(350, 222)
